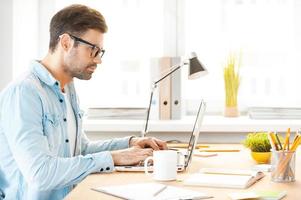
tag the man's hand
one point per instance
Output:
(131, 156)
(147, 142)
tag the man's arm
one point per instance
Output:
(139, 149)
(88, 146)
(21, 120)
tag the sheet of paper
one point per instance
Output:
(151, 191)
(260, 195)
(225, 178)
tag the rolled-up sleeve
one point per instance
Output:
(21, 120)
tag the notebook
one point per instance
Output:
(150, 191)
(224, 178)
(260, 195)
(182, 163)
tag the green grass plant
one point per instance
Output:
(257, 142)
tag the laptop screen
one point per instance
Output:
(195, 132)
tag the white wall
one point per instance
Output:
(25, 34)
(19, 38)
(6, 35)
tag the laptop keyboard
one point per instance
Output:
(141, 164)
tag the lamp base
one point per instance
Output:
(231, 111)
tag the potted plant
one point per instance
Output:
(232, 82)
(260, 147)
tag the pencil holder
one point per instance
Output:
(283, 166)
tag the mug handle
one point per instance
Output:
(146, 164)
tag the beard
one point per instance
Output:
(78, 68)
(83, 72)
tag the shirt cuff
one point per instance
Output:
(124, 142)
(103, 162)
(130, 137)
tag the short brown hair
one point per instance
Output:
(75, 19)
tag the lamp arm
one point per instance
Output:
(174, 68)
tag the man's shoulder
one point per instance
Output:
(27, 81)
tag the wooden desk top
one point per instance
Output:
(237, 160)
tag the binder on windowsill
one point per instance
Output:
(170, 90)
(165, 91)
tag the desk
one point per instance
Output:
(236, 160)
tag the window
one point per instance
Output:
(267, 32)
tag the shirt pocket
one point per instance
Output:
(52, 130)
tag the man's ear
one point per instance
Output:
(65, 42)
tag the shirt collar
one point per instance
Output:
(42, 73)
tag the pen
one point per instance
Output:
(159, 191)
(278, 140)
(295, 143)
(296, 136)
(271, 142)
(273, 137)
(287, 140)
(219, 150)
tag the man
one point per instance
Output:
(43, 152)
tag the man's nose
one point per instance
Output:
(97, 60)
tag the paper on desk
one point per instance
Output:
(243, 195)
(204, 154)
(260, 195)
(225, 178)
(147, 190)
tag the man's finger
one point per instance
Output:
(148, 151)
(161, 144)
(151, 143)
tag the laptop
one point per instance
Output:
(184, 158)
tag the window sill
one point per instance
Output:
(210, 124)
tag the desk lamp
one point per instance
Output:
(196, 69)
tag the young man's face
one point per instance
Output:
(80, 60)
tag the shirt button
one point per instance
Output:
(61, 100)
(108, 168)
(56, 83)
(66, 140)
(101, 169)
(65, 119)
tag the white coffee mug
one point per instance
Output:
(164, 165)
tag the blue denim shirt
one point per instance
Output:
(35, 157)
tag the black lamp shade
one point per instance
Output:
(196, 69)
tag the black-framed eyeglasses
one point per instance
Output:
(95, 49)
